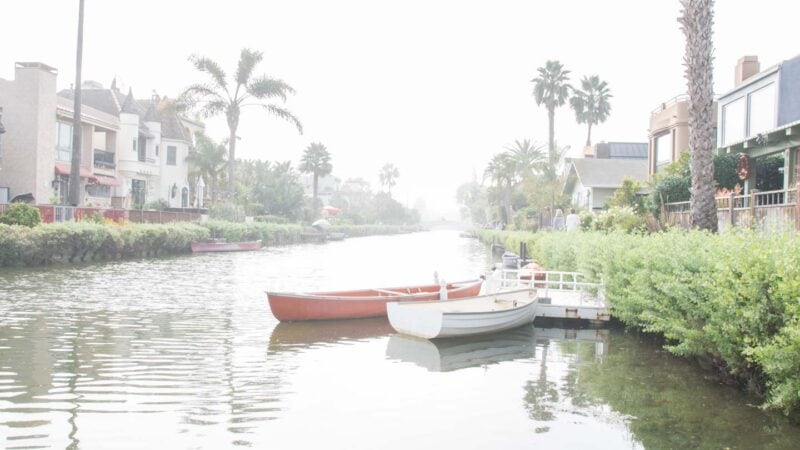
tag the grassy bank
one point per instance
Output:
(730, 300)
(86, 241)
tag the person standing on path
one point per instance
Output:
(558, 221)
(573, 221)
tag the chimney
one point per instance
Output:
(746, 67)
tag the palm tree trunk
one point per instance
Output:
(589, 136)
(697, 21)
(232, 162)
(315, 186)
(75, 169)
(551, 130)
(233, 125)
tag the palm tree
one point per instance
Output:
(247, 89)
(316, 160)
(551, 89)
(591, 104)
(74, 194)
(502, 171)
(388, 177)
(207, 161)
(697, 20)
(528, 157)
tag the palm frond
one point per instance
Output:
(248, 60)
(284, 114)
(210, 67)
(265, 87)
(212, 108)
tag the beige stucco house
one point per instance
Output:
(133, 151)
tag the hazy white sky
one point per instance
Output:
(435, 87)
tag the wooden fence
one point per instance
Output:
(58, 213)
(766, 211)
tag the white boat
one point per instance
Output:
(464, 317)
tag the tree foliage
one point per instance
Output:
(21, 214)
(591, 103)
(246, 90)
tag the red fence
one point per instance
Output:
(56, 213)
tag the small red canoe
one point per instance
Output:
(358, 304)
(225, 246)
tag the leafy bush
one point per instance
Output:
(729, 299)
(21, 214)
(627, 196)
(226, 211)
(623, 219)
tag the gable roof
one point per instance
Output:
(605, 173)
(614, 150)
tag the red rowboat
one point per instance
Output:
(225, 246)
(361, 303)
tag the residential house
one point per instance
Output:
(668, 135)
(760, 119)
(326, 187)
(592, 180)
(133, 151)
(37, 143)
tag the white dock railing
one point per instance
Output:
(567, 288)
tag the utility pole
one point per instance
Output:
(75, 168)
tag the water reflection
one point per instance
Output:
(184, 353)
(444, 355)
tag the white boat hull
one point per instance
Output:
(464, 317)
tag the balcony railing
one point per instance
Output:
(104, 159)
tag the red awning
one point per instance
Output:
(108, 181)
(63, 169)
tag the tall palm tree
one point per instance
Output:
(317, 161)
(591, 104)
(388, 177)
(502, 171)
(528, 157)
(551, 89)
(697, 21)
(207, 161)
(247, 89)
(74, 194)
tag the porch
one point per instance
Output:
(775, 210)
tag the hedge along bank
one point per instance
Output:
(729, 299)
(86, 241)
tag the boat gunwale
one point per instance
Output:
(427, 305)
(457, 286)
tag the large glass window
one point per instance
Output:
(98, 190)
(762, 110)
(664, 149)
(733, 121)
(138, 192)
(172, 155)
(63, 142)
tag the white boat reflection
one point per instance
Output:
(446, 355)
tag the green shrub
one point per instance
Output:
(729, 299)
(21, 214)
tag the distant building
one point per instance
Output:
(133, 151)
(592, 180)
(668, 134)
(760, 118)
(326, 187)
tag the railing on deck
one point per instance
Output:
(769, 211)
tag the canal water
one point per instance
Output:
(184, 353)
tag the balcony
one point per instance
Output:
(104, 160)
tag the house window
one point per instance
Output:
(172, 155)
(63, 142)
(98, 190)
(733, 121)
(4, 194)
(156, 149)
(138, 191)
(761, 116)
(663, 149)
(135, 145)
